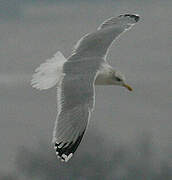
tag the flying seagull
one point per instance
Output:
(76, 76)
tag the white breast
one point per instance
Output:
(104, 75)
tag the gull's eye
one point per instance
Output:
(118, 79)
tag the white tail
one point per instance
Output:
(49, 73)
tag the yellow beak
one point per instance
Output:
(128, 87)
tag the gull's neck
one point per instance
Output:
(104, 74)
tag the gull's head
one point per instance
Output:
(118, 78)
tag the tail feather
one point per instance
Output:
(49, 73)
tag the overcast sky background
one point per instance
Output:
(32, 32)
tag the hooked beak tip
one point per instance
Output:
(128, 87)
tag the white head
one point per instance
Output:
(117, 78)
(109, 76)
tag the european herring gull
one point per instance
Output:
(76, 76)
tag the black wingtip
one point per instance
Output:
(136, 17)
(65, 151)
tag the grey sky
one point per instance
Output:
(32, 32)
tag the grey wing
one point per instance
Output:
(97, 43)
(75, 103)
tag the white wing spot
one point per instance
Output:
(66, 158)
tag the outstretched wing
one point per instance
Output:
(98, 42)
(75, 103)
